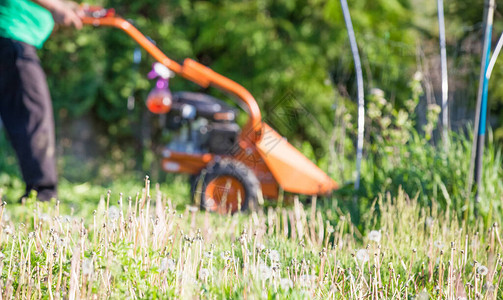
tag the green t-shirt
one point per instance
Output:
(25, 21)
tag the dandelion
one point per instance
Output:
(6, 216)
(286, 284)
(438, 244)
(44, 217)
(167, 264)
(260, 247)
(423, 295)
(2, 256)
(8, 230)
(362, 255)
(171, 265)
(204, 274)
(489, 287)
(192, 208)
(482, 270)
(225, 255)
(306, 280)
(113, 213)
(87, 267)
(164, 265)
(375, 236)
(61, 242)
(265, 272)
(274, 255)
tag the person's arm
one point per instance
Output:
(66, 13)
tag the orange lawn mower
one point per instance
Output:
(231, 167)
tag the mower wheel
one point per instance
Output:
(226, 186)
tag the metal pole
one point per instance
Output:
(445, 81)
(359, 82)
(481, 110)
(494, 57)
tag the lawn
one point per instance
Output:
(140, 243)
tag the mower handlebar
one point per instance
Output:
(190, 69)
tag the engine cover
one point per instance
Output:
(223, 137)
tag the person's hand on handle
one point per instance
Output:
(67, 13)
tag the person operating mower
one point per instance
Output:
(25, 102)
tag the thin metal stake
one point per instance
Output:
(359, 82)
(445, 80)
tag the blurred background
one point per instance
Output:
(280, 50)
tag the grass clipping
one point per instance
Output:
(143, 248)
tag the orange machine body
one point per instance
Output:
(275, 162)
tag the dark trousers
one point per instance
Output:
(27, 115)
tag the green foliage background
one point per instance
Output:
(273, 48)
(298, 51)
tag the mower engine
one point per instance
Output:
(200, 123)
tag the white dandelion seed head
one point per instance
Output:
(482, 270)
(274, 255)
(44, 217)
(306, 280)
(225, 255)
(362, 255)
(260, 247)
(164, 265)
(208, 254)
(167, 264)
(113, 213)
(204, 274)
(171, 265)
(87, 266)
(2, 256)
(8, 230)
(264, 271)
(375, 235)
(489, 287)
(66, 219)
(438, 244)
(423, 295)
(61, 242)
(192, 208)
(6, 216)
(286, 284)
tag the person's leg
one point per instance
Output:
(26, 111)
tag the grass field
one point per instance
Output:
(138, 245)
(119, 236)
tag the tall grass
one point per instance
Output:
(401, 154)
(141, 247)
